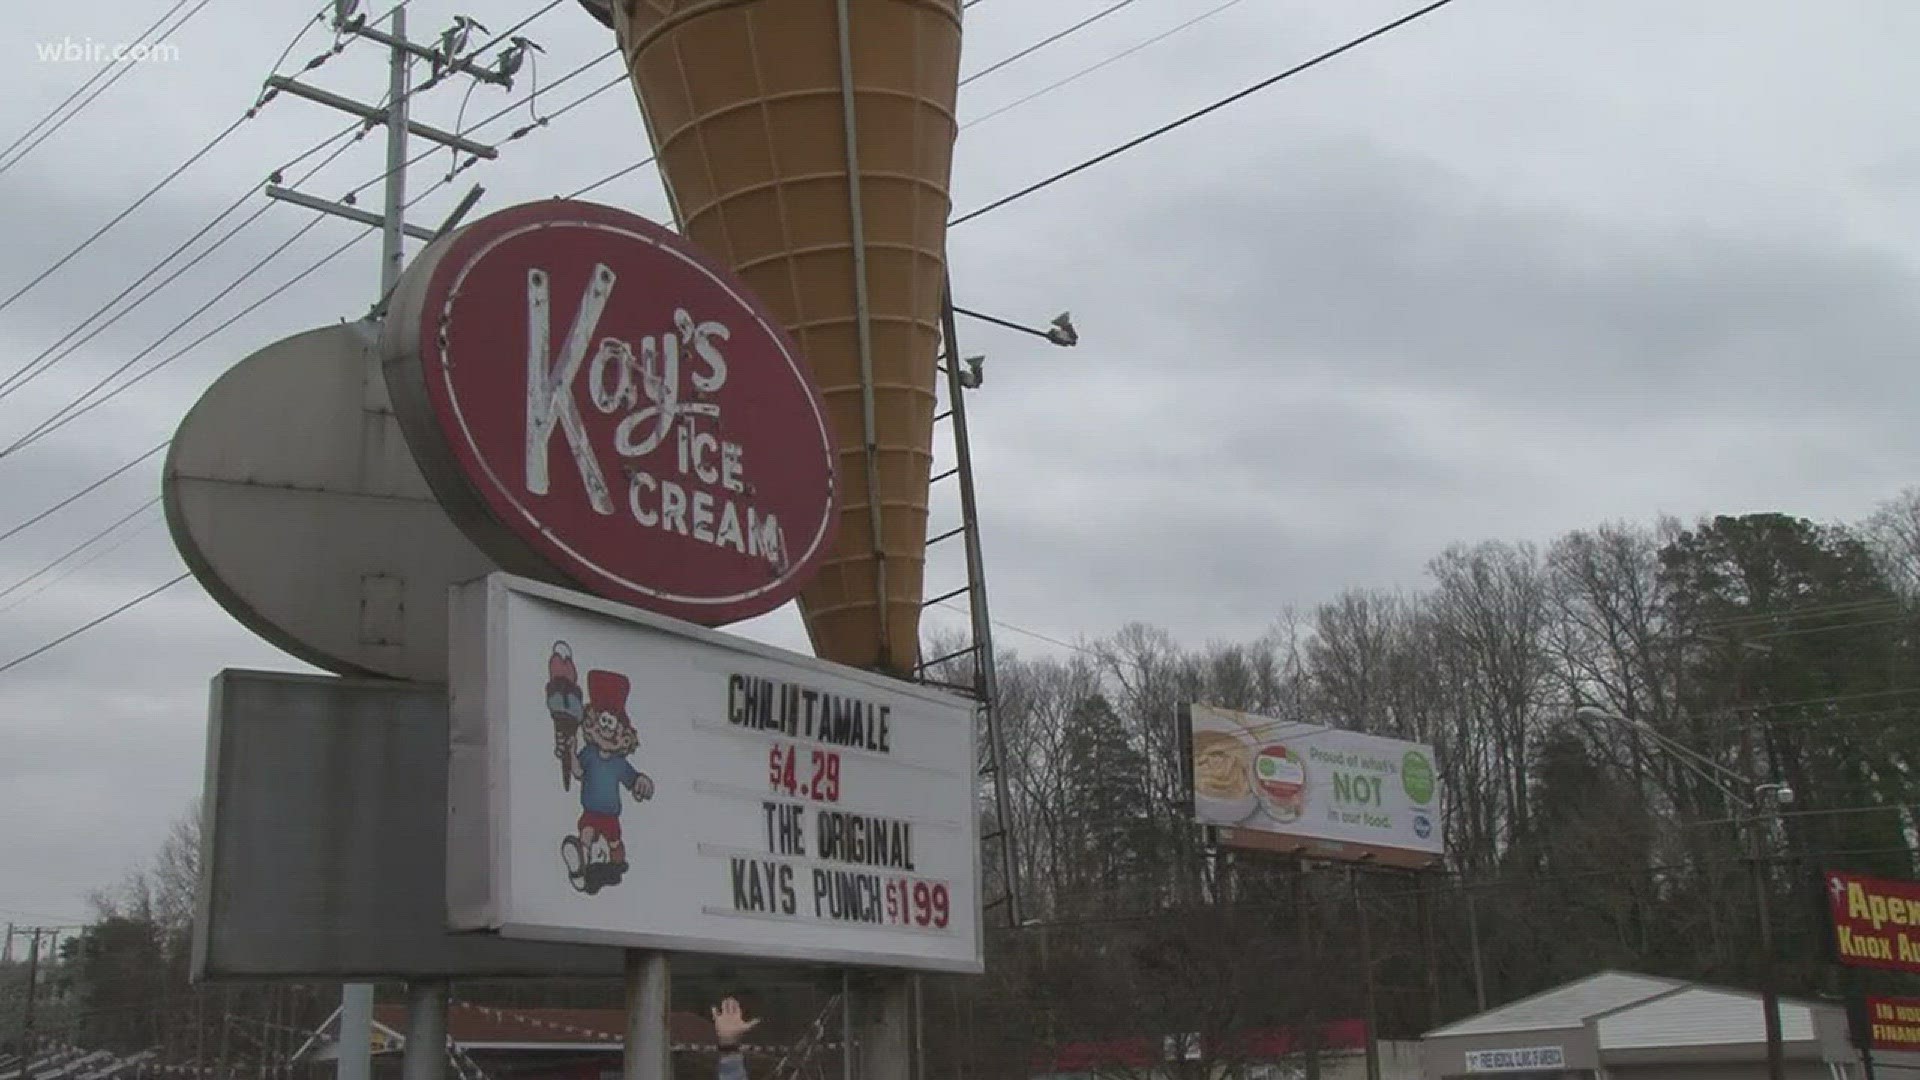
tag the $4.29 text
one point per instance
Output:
(822, 771)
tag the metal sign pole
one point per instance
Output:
(393, 252)
(649, 1033)
(880, 1011)
(426, 1054)
(355, 1060)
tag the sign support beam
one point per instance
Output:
(985, 675)
(880, 1023)
(649, 1051)
(355, 1058)
(426, 1056)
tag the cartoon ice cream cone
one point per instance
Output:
(565, 705)
(809, 145)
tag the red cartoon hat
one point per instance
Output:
(607, 692)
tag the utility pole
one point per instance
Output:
(1752, 807)
(1769, 990)
(448, 60)
(1473, 939)
(427, 1000)
(26, 1009)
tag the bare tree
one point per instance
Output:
(1491, 619)
(1893, 535)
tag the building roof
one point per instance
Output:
(1700, 1016)
(1644, 1012)
(1565, 1006)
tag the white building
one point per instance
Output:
(1621, 1026)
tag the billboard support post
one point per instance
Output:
(355, 1061)
(426, 1052)
(1366, 970)
(1429, 947)
(649, 1050)
(880, 1023)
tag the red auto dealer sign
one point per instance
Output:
(599, 404)
(1876, 921)
(1895, 1023)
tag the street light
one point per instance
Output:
(1060, 331)
(1765, 798)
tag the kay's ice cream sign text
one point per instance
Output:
(682, 475)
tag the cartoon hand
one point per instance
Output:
(643, 787)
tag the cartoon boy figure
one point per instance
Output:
(597, 857)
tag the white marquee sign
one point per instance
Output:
(627, 779)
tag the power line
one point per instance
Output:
(83, 563)
(1804, 630)
(319, 18)
(235, 318)
(90, 624)
(1834, 608)
(1114, 59)
(1046, 41)
(121, 72)
(78, 548)
(990, 69)
(1189, 118)
(83, 87)
(351, 129)
(54, 353)
(128, 212)
(39, 364)
(74, 409)
(78, 495)
(1035, 634)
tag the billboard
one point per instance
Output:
(1876, 921)
(1894, 1023)
(1314, 791)
(620, 778)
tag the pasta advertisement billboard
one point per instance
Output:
(1312, 790)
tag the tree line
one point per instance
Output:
(1612, 714)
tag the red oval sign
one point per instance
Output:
(599, 403)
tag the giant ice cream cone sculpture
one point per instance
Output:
(809, 145)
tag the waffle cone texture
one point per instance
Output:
(745, 108)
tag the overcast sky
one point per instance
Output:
(1518, 268)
